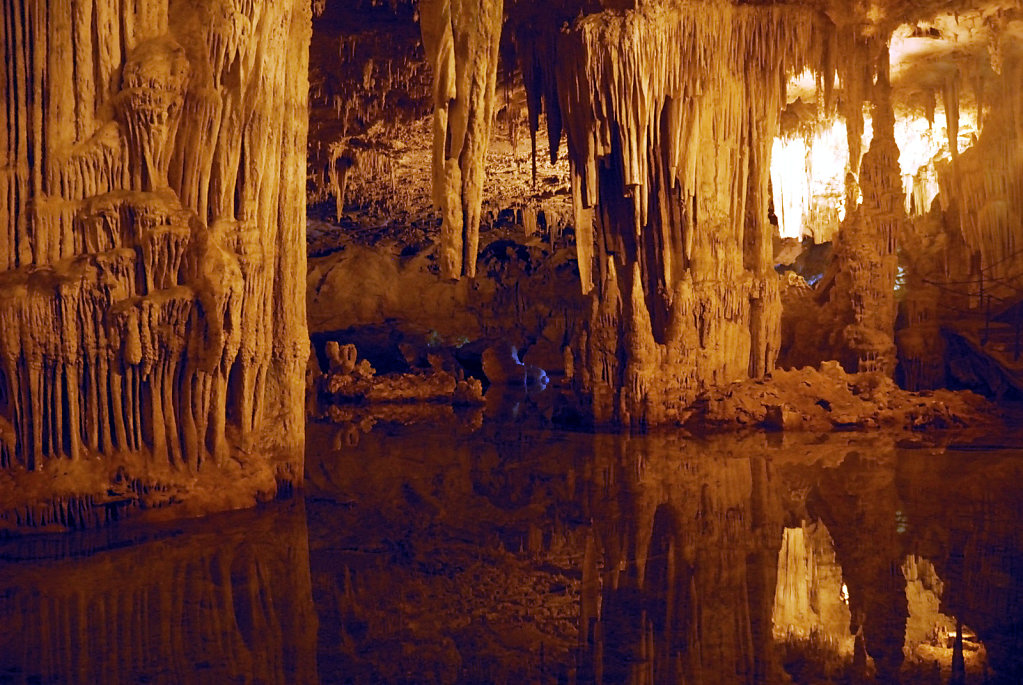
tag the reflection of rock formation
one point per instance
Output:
(151, 305)
(444, 564)
(233, 605)
(965, 515)
(858, 502)
(684, 555)
(689, 564)
(808, 598)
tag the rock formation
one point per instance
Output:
(152, 326)
(670, 156)
(865, 252)
(461, 38)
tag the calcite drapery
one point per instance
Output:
(152, 298)
(461, 38)
(983, 187)
(669, 111)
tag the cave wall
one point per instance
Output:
(152, 318)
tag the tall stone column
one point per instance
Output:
(866, 261)
(152, 304)
(669, 111)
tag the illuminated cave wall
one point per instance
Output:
(152, 318)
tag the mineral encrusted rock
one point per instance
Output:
(353, 381)
(670, 156)
(152, 310)
(829, 398)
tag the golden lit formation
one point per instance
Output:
(679, 390)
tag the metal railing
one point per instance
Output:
(989, 305)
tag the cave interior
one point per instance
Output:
(687, 332)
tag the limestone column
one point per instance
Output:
(670, 155)
(152, 304)
(461, 38)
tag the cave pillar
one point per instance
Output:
(670, 157)
(152, 303)
(461, 38)
(865, 251)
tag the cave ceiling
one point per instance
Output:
(370, 83)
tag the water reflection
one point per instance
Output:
(223, 600)
(507, 554)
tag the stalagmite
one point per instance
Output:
(152, 307)
(461, 38)
(865, 258)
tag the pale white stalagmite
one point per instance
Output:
(669, 110)
(152, 305)
(461, 38)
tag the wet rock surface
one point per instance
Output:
(829, 398)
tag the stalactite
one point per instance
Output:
(461, 38)
(983, 187)
(669, 111)
(150, 227)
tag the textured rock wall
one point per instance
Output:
(152, 319)
(670, 156)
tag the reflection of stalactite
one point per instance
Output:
(152, 246)
(966, 513)
(858, 503)
(688, 552)
(238, 601)
(808, 600)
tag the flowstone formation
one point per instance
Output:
(152, 319)
(669, 112)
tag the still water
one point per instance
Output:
(509, 554)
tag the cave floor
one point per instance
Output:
(500, 551)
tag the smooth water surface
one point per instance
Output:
(510, 554)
